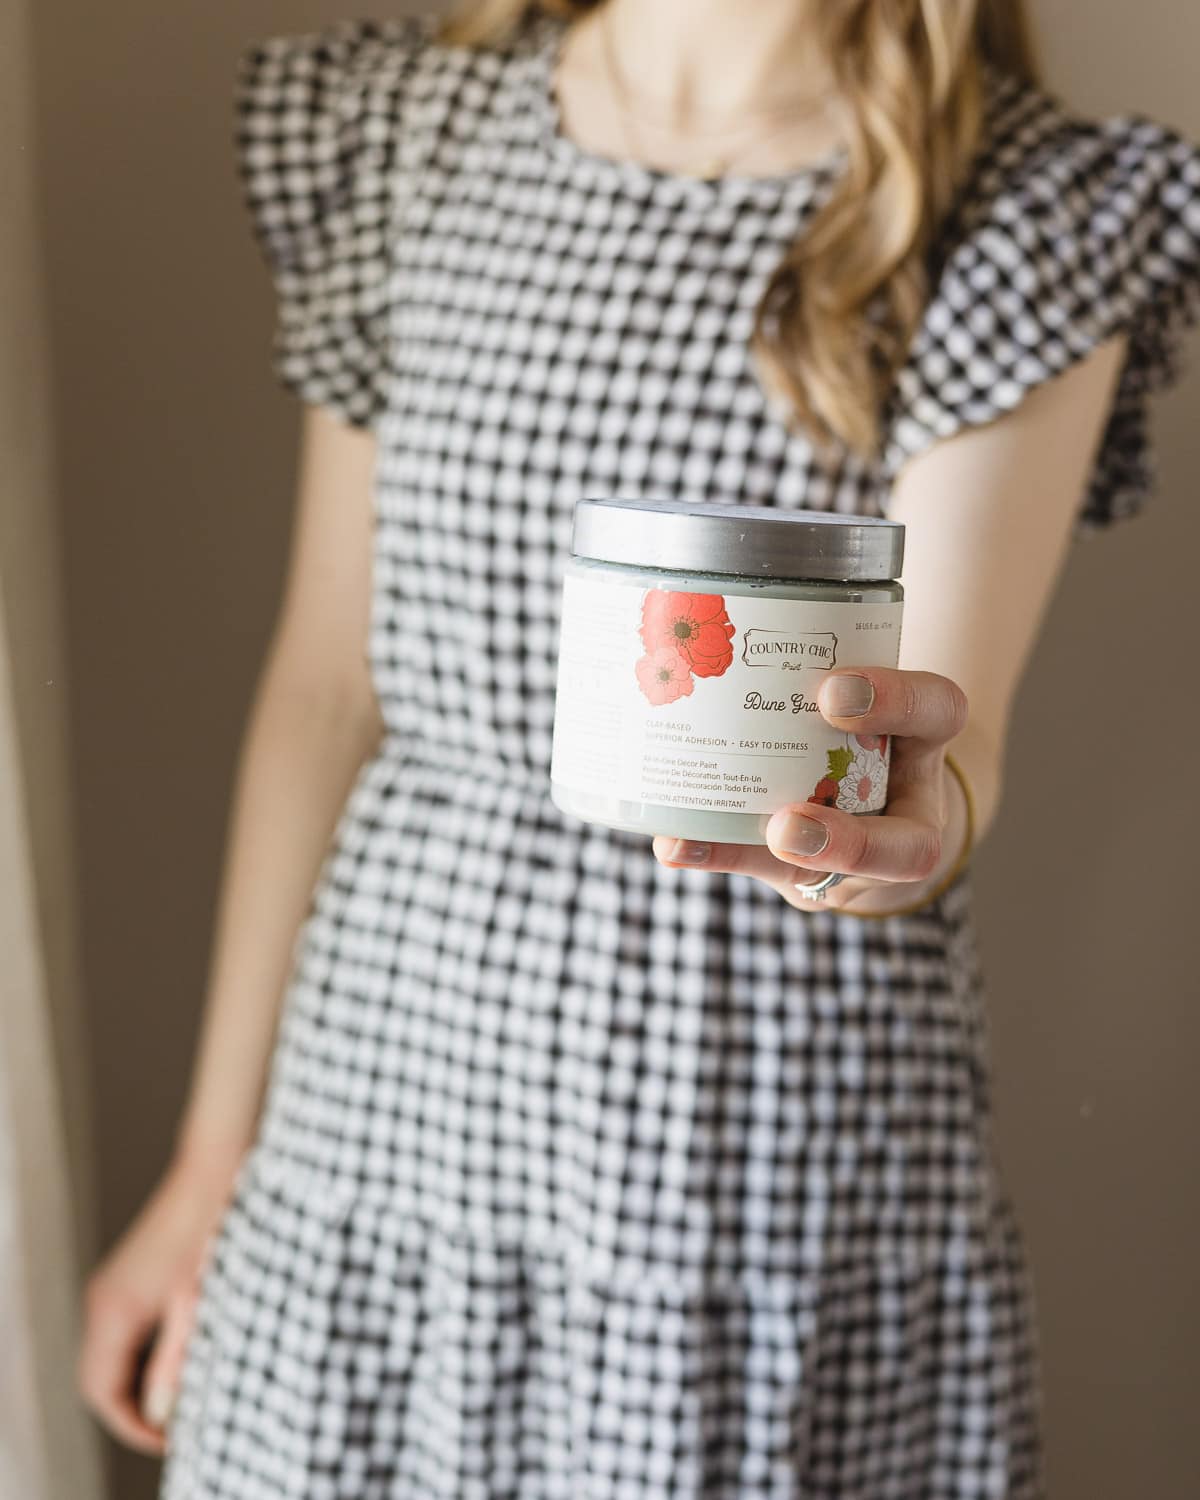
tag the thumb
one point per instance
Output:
(161, 1380)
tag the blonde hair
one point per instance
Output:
(838, 312)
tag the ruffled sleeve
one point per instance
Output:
(318, 120)
(1070, 232)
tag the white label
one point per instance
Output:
(690, 699)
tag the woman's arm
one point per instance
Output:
(988, 518)
(989, 514)
(313, 720)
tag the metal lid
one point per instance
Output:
(756, 541)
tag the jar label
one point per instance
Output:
(708, 701)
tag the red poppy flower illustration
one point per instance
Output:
(663, 675)
(826, 792)
(696, 625)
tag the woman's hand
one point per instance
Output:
(146, 1287)
(894, 857)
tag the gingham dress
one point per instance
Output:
(579, 1177)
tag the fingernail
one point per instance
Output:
(848, 695)
(156, 1408)
(688, 852)
(802, 836)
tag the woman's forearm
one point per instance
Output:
(303, 746)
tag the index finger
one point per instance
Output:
(921, 706)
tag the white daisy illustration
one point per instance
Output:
(861, 789)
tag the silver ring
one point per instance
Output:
(816, 891)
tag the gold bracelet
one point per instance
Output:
(956, 868)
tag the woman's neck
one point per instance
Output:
(709, 62)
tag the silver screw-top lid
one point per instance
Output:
(756, 541)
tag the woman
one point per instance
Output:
(586, 1166)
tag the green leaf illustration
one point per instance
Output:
(839, 762)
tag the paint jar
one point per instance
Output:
(693, 639)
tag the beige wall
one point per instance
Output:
(1086, 902)
(30, 546)
(47, 1449)
(176, 463)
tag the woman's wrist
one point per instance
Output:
(208, 1157)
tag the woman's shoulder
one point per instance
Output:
(1039, 157)
(345, 48)
(1069, 228)
(381, 50)
(331, 127)
(1067, 232)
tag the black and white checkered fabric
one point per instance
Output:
(580, 1178)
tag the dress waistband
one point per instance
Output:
(402, 752)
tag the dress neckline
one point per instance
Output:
(598, 169)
